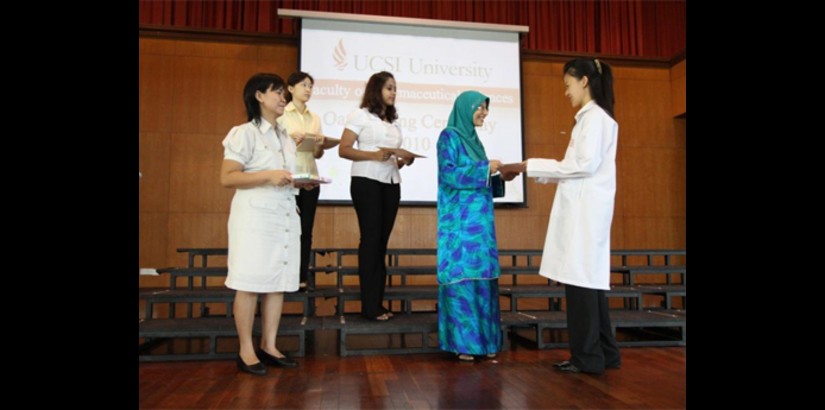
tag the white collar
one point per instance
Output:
(587, 107)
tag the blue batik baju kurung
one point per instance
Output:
(469, 319)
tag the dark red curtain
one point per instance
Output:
(645, 28)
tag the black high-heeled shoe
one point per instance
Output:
(276, 361)
(257, 369)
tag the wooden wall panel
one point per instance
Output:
(152, 247)
(421, 210)
(195, 174)
(619, 202)
(154, 165)
(401, 231)
(540, 196)
(346, 233)
(216, 50)
(678, 183)
(209, 94)
(424, 230)
(643, 113)
(147, 46)
(678, 88)
(654, 232)
(617, 233)
(521, 231)
(284, 54)
(147, 281)
(323, 233)
(190, 95)
(155, 95)
(153, 239)
(624, 73)
(680, 131)
(535, 66)
(651, 183)
(547, 113)
(194, 230)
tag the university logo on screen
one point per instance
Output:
(340, 55)
(397, 64)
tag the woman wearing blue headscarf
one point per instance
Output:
(469, 320)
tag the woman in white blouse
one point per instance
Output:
(375, 185)
(264, 227)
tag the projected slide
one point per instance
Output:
(431, 65)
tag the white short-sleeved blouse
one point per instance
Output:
(261, 147)
(373, 133)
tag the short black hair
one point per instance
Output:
(262, 82)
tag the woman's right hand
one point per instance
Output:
(297, 136)
(280, 177)
(494, 166)
(381, 155)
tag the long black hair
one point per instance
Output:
(294, 79)
(600, 80)
(262, 82)
(373, 100)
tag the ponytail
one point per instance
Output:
(600, 79)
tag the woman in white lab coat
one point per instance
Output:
(577, 247)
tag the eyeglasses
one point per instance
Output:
(482, 108)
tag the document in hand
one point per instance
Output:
(402, 153)
(307, 178)
(313, 140)
(510, 171)
(307, 145)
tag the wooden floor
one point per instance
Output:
(520, 378)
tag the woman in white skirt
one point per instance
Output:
(264, 226)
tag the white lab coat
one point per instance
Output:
(577, 246)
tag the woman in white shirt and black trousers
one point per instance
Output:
(375, 186)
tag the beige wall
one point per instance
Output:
(190, 97)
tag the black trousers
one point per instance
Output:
(307, 204)
(376, 205)
(592, 344)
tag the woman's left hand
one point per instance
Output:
(406, 161)
(309, 186)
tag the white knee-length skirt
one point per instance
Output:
(264, 241)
